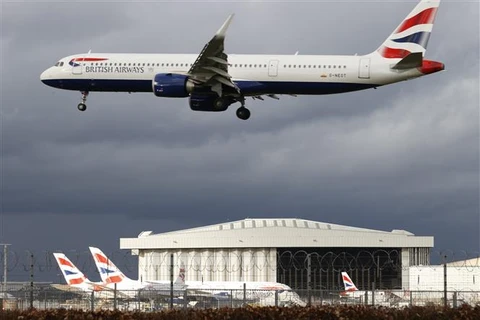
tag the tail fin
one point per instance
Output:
(413, 33)
(109, 273)
(181, 275)
(348, 283)
(73, 276)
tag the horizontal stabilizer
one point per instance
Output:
(413, 60)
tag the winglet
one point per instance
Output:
(413, 60)
(223, 29)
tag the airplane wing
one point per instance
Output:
(106, 289)
(211, 66)
(68, 288)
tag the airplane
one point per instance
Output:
(255, 291)
(76, 281)
(213, 79)
(351, 289)
(110, 273)
(380, 296)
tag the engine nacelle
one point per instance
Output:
(209, 102)
(172, 85)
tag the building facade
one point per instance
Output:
(297, 252)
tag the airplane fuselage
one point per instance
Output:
(253, 74)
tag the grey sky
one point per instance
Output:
(404, 156)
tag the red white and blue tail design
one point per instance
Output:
(109, 273)
(413, 33)
(181, 275)
(73, 276)
(348, 283)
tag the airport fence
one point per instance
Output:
(34, 279)
(49, 297)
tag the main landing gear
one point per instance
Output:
(242, 112)
(82, 106)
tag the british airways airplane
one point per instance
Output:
(213, 80)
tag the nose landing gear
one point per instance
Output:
(82, 106)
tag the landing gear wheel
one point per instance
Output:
(243, 113)
(82, 106)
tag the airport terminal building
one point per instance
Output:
(291, 251)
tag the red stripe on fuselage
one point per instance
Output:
(89, 59)
(425, 17)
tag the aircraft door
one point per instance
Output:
(364, 68)
(77, 66)
(273, 68)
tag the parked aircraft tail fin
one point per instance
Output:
(73, 276)
(109, 272)
(348, 283)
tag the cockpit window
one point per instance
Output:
(59, 64)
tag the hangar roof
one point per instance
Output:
(275, 233)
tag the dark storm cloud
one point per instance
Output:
(404, 156)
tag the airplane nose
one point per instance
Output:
(48, 78)
(45, 75)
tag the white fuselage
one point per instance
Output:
(254, 74)
(260, 292)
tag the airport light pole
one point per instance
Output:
(4, 266)
(171, 281)
(445, 302)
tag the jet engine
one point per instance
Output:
(172, 85)
(209, 102)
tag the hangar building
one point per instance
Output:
(290, 251)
